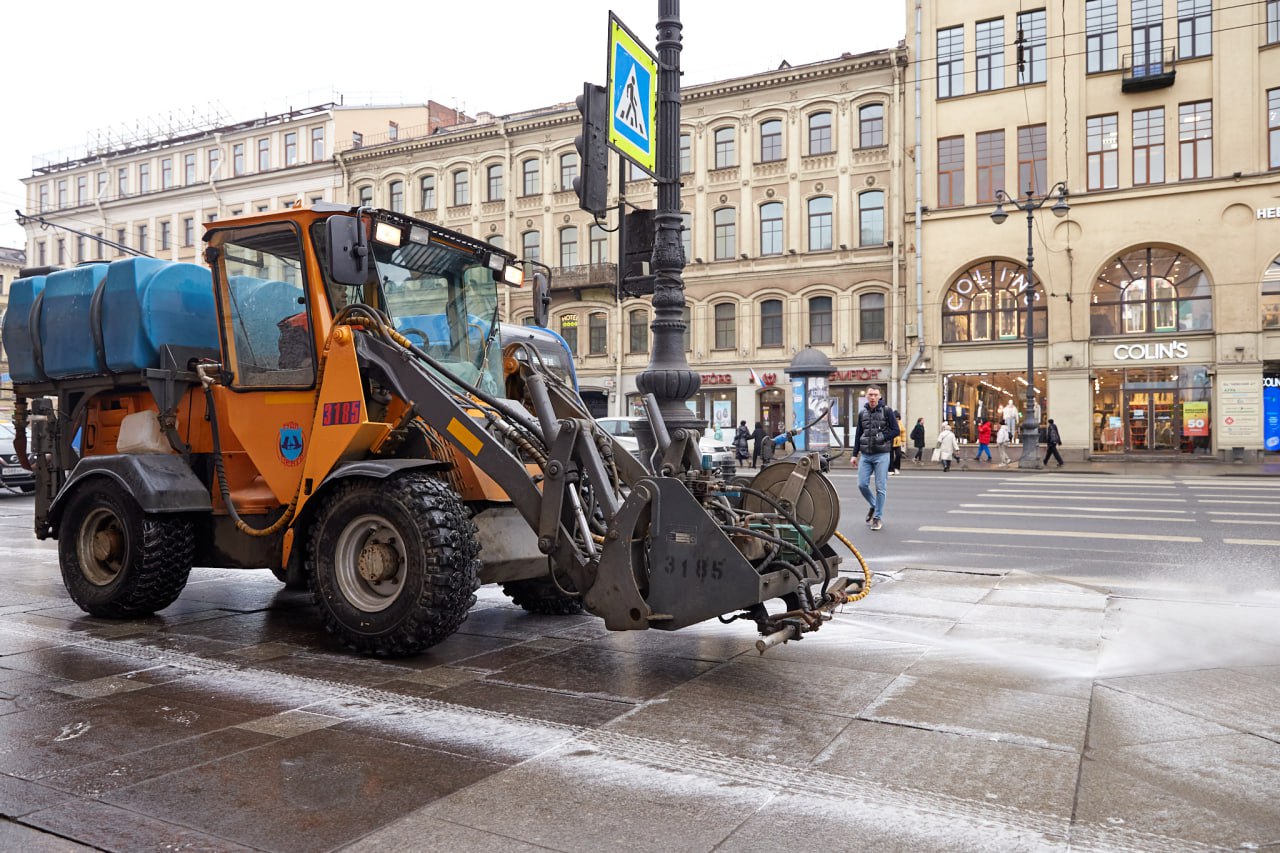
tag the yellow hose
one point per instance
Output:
(866, 572)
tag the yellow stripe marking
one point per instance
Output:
(465, 437)
(1267, 542)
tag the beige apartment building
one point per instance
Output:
(1157, 297)
(792, 215)
(155, 192)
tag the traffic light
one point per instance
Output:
(592, 183)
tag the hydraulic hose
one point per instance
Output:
(866, 572)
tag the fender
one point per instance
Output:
(379, 469)
(160, 483)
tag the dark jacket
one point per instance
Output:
(1055, 437)
(757, 436)
(917, 435)
(879, 425)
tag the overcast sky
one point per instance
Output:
(81, 68)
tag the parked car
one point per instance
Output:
(12, 474)
(623, 430)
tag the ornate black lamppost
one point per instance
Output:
(1031, 423)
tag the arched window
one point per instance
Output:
(427, 192)
(726, 219)
(871, 126)
(531, 245)
(820, 320)
(770, 141)
(568, 171)
(461, 187)
(871, 218)
(638, 331)
(366, 196)
(569, 246)
(771, 323)
(395, 196)
(530, 177)
(820, 223)
(1271, 296)
(987, 302)
(725, 154)
(726, 314)
(493, 182)
(771, 228)
(820, 133)
(871, 317)
(1150, 289)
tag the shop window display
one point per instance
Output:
(1150, 290)
(969, 398)
(1271, 296)
(987, 303)
(1153, 410)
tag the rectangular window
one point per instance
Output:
(725, 154)
(531, 177)
(1195, 28)
(820, 133)
(1102, 135)
(820, 216)
(569, 246)
(142, 238)
(771, 228)
(427, 192)
(1031, 41)
(531, 244)
(493, 181)
(317, 144)
(82, 189)
(189, 169)
(61, 256)
(871, 317)
(569, 331)
(121, 236)
(599, 245)
(726, 321)
(990, 164)
(1195, 140)
(990, 55)
(638, 332)
(1101, 35)
(726, 233)
(597, 334)
(291, 148)
(820, 320)
(871, 126)
(1273, 128)
(951, 171)
(215, 160)
(144, 177)
(771, 323)
(166, 238)
(1148, 146)
(122, 182)
(166, 173)
(44, 196)
(102, 186)
(1148, 37)
(237, 159)
(188, 231)
(686, 152)
(1033, 153)
(568, 171)
(950, 62)
(871, 218)
(1273, 21)
(62, 192)
(770, 141)
(82, 254)
(461, 187)
(264, 155)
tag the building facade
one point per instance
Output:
(1156, 299)
(792, 215)
(11, 261)
(154, 194)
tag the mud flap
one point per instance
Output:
(690, 569)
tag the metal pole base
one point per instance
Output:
(1031, 445)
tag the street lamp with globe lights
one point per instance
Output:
(1031, 423)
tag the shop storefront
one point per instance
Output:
(771, 404)
(716, 402)
(1153, 398)
(972, 397)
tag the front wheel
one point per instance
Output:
(392, 564)
(542, 596)
(117, 561)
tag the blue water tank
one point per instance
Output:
(17, 335)
(147, 303)
(65, 329)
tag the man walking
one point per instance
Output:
(917, 438)
(872, 444)
(1053, 439)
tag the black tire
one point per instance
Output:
(117, 561)
(29, 489)
(412, 531)
(539, 595)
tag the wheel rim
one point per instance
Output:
(101, 546)
(370, 563)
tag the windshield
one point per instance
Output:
(443, 299)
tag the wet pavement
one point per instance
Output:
(947, 711)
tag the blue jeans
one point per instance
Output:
(983, 448)
(879, 462)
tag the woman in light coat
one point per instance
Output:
(947, 446)
(1002, 444)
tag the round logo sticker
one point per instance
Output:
(290, 444)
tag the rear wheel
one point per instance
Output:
(540, 595)
(392, 564)
(118, 561)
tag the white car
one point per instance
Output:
(12, 474)
(623, 431)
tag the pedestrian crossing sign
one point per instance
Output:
(633, 97)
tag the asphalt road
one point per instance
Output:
(1216, 534)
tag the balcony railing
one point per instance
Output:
(1153, 69)
(584, 275)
